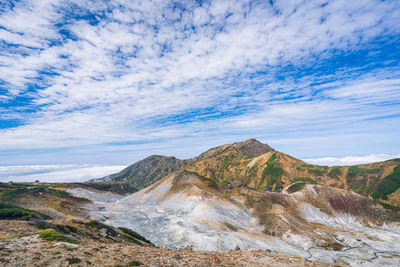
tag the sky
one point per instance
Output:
(107, 83)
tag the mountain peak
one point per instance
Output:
(251, 147)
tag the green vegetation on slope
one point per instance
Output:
(133, 234)
(363, 180)
(355, 171)
(246, 163)
(299, 183)
(388, 185)
(12, 212)
(307, 180)
(335, 172)
(317, 170)
(296, 187)
(273, 173)
(51, 235)
(10, 194)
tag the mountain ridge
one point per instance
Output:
(259, 166)
(148, 170)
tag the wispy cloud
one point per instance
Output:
(110, 76)
(351, 160)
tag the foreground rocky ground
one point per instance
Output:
(20, 245)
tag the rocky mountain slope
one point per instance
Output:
(258, 166)
(249, 148)
(21, 245)
(275, 170)
(148, 170)
(29, 237)
(315, 222)
(246, 195)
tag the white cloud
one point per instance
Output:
(351, 160)
(143, 66)
(56, 173)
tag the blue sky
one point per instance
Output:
(110, 82)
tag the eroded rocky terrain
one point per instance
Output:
(20, 245)
(318, 223)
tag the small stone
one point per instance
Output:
(215, 259)
(66, 245)
(103, 232)
(177, 256)
(187, 249)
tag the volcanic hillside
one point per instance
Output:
(45, 225)
(257, 166)
(313, 221)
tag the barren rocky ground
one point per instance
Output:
(21, 246)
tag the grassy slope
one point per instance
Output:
(43, 198)
(274, 170)
(16, 196)
(13, 212)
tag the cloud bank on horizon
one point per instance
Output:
(56, 173)
(114, 81)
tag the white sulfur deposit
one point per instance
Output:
(179, 219)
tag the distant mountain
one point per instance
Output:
(147, 171)
(256, 165)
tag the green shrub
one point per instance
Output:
(67, 228)
(213, 183)
(134, 263)
(317, 172)
(59, 193)
(42, 225)
(10, 194)
(51, 235)
(12, 212)
(307, 180)
(133, 234)
(73, 260)
(296, 187)
(98, 225)
(273, 173)
(334, 172)
(355, 171)
(15, 192)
